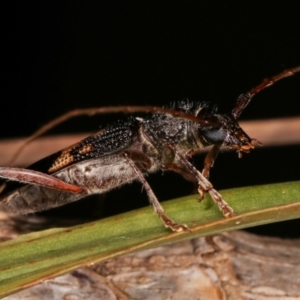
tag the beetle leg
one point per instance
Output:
(208, 163)
(182, 171)
(153, 199)
(205, 185)
(28, 176)
(210, 159)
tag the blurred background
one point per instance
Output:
(62, 55)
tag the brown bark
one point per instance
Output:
(231, 266)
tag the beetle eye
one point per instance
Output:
(213, 135)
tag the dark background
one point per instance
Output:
(61, 55)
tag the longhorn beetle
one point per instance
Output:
(126, 150)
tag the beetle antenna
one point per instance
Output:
(244, 99)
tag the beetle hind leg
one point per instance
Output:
(153, 199)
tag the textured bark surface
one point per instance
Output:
(235, 265)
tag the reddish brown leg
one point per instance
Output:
(205, 185)
(182, 171)
(153, 200)
(208, 163)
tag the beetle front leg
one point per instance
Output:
(208, 163)
(205, 185)
(210, 159)
(28, 176)
(153, 199)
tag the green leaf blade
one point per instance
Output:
(32, 258)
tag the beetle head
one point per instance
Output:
(224, 130)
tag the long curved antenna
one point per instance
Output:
(244, 99)
(241, 103)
